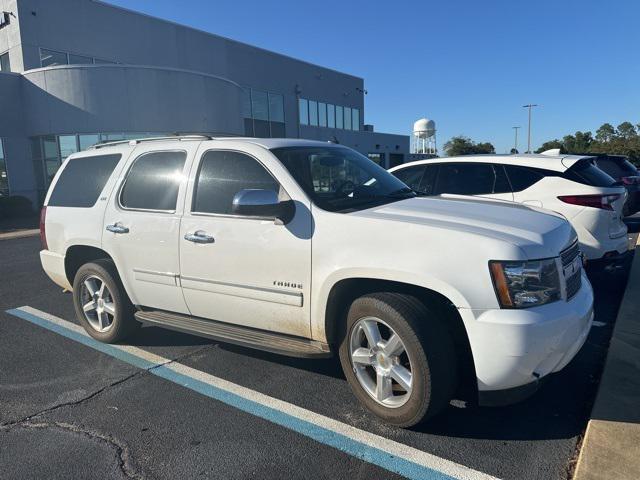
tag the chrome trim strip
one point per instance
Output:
(152, 276)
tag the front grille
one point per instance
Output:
(573, 281)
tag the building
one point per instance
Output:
(77, 72)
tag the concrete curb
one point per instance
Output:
(611, 446)
(19, 234)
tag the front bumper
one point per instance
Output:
(514, 348)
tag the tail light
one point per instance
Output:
(630, 180)
(43, 233)
(596, 201)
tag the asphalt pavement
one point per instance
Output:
(68, 410)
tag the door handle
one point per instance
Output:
(199, 237)
(117, 228)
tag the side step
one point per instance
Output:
(245, 336)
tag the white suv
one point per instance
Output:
(308, 248)
(568, 184)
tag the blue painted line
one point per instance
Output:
(320, 434)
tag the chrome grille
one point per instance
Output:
(573, 280)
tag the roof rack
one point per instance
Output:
(176, 136)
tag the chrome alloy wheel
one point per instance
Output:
(380, 362)
(97, 303)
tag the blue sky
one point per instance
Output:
(469, 65)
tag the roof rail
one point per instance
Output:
(177, 136)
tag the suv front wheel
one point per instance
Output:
(101, 303)
(398, 358)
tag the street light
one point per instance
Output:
(530, 106)
(515, 147)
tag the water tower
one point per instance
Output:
(424, 137)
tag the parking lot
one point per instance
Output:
(69, 410)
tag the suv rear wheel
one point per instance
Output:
(101, 303)
(398, 358)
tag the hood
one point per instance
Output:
(539, 233)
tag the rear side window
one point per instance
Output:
(82, 181)
(411, 176)
(471, 179)
(617, 167)
(585, 172)
(153, 181)
(222, 174)
(522, 178)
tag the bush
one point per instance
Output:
(13, 206)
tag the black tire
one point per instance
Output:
(428, 346)
(123, 320)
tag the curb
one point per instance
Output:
(611, 446)
(20, 234)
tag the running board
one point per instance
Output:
(245, 336)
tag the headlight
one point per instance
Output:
(526, 284)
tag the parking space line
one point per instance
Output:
(385, 453)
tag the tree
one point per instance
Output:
(462, 145)
(550, 145)
(605, 133)
(626, 130)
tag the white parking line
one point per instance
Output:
(388, 454)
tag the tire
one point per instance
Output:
(112, 319)
(429, 355)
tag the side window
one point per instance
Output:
(222, 174)
(466, 178)
(522, 178)
(82, 181)
(411, 176)
(427, 186)
(153, 181)
(501, 183)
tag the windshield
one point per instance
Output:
(339, 179)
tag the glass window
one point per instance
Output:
(522, 177)
(313, 113)
(5, 64)
(222, 175)
(376, 157)
(355, 119)
(347, 118)
(246, 102)
(87, 141)
(339, 116)
(67, 145)
(51, 157)
(339, 179)
(331, 116)
(82, 181)
(585, 172)
(411, 176)
(259, 105)
(4, 178)
(153, 181)
(276, 107)
(79, 59)
(466, 179)
(501, 182)
(278, 130)
(49, 58)
(322, 114)
(103, 61)
(617, 167)
(303, 108)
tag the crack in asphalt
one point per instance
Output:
(122, 451)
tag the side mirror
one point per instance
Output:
(262, 203)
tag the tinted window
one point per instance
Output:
(411, 176)
(222, 175)
(617, 167)
(331, 116)
(585, 172)
(522, 177)
(5, 63)
(82, 181)
(470, 179)
(153, 181)
(303, 109)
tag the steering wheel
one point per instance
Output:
(346, 187)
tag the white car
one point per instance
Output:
(570, 185)
(308, 249)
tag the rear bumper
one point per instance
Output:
(514, 349)
(53, 266)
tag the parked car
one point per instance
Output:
(622, 170)
(570, 185)
(309, 249)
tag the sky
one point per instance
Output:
(468, 65)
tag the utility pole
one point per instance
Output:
(530, 106)
(515, 147)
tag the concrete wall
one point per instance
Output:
(10, 40)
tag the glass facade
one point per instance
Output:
(50, 58)
(4, 176)
(321, 114)
(263, 113)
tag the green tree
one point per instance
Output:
(605, 133)
(626, 130)
(550, 145)
(462, 145)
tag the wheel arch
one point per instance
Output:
(78, 255)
